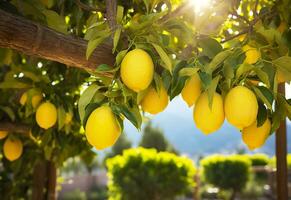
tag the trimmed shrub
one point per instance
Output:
(259, 159)
(145, 174)
(226, 172)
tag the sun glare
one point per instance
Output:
(200, 5)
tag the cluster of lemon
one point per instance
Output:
(46, 112)
(12, 148)
(240, 106)
(46, 117)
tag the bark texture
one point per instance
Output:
(34, 39)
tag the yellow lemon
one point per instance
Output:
(254, 137)
(68, 118)
(252, 54)
(3, 134)
(35, 100)
(102, 128)
(12, 149)
(46, 115)
(23, 99)
(241, 107)
(208, 119)
(137, 70)
(154, 102)
(191, 90)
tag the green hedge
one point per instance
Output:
(145, 174)
(226, 172)
(259, 159)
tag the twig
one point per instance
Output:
(235, 36)
(256, 8)
(250, 28)
(241, 17)
(178, 11)
(87, 8)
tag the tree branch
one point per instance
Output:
(13, 127)
(235, 36)
(111, 12)
(33, 39)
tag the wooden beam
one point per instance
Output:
(34, 39)
(281, 155)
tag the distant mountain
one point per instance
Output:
(178, 126)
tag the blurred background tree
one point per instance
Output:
(153, 137)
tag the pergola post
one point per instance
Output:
(281, 155)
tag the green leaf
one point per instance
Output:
(165, 58)
(158, 82)
(212, 89)
(210, 47)
(263, 76)
(116, 39)
(283, 63)
(262, 114)
(265, 95)
(86, 98)
(243, 68)
(61, 117)
(13, 84)
(121, 109)
(119, 14)
(106, 68)
(55, 21)
(92, 44)
(120, 57)
(188, 71)
(9, 112)
(205, 79)
(217, 60)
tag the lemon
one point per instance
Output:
(68, 118)
(241, 107)
(137, 70)
(208, 119)
(254, 137)
(35, 100)
(102, 128)
(46, 115)
(3, 134)
(154, 102)
(252, 54)
(23, 99)
(12, 149)
(241, 38)
(191, 90)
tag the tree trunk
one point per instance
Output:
(39, 181)
(34, 39)
(52, 180)
(233, 195)
(281, 154)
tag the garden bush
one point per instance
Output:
(226, 172)
(259, 160)
(145, 174)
